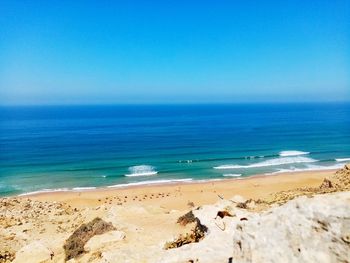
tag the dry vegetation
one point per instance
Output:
(74, 245)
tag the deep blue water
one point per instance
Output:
(55, 147)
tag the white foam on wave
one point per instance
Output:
(342, 159)
(232, 175)
(308, 168)
(141, 170)
(48, 190)
(272, 162)
(83, 188)
(292, 153)
(45, 191)
(169, 181)
(207, 180)
(185, 161)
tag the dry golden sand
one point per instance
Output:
(146, 214)
(177, 196)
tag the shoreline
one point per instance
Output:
(178, 195)
(162, 182)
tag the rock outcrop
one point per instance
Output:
(339, 181)
(74, 245)
(102, 240)
(299, 225)
(306, 229)
(303, 230)
(33, 253)
(341, 178)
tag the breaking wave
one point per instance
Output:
(292, 153)
(141, 170)
(169, 181)
(309, 168)
(342, 159)
(272, 162)
(83, 188)
(45, 191)
(232, 175)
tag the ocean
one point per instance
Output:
(57, 148)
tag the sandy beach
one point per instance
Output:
(178, 195)
(138, 223)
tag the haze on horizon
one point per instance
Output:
(88, 52)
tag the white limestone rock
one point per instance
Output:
(303, 230)
(33, 253)
(99, 241)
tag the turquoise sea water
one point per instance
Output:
(49, 148)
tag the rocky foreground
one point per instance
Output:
(299, 225)
(306, 229)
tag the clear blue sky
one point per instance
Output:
(81, 52)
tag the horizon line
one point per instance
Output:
(175, 103)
